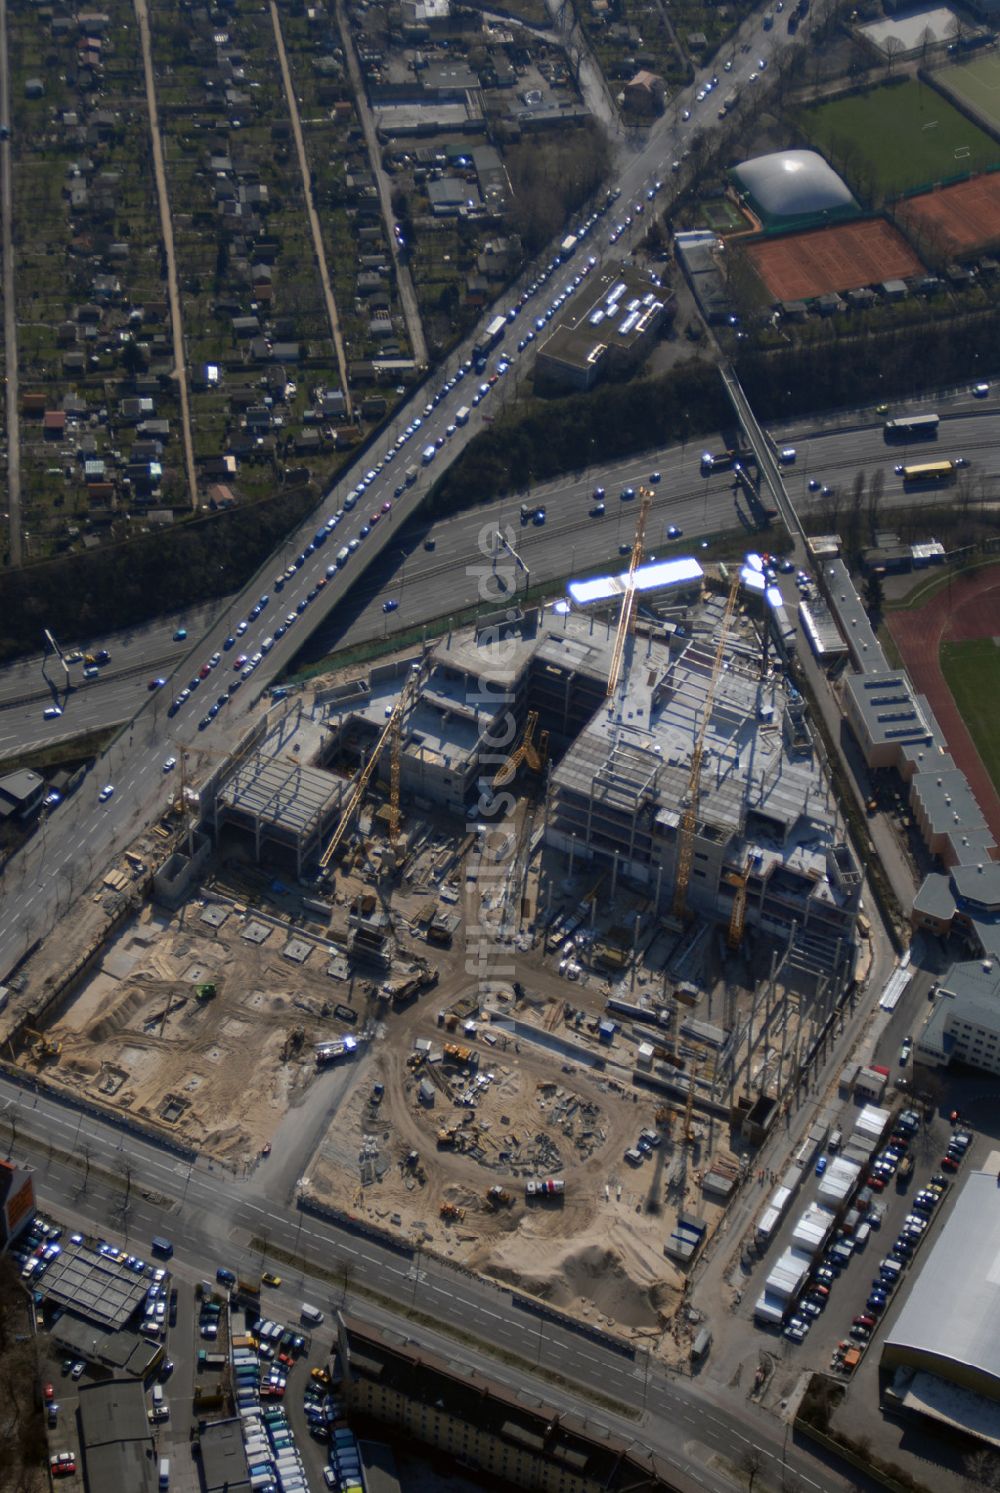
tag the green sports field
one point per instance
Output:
(896, 138)
(972, 673)
(977, 83)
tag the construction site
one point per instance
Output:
(537, 924)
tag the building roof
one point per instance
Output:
(563, 1440)
(613, 311)
(114, 1410)
(223, 1459)
(889, 708)
(793, 184)
(21, 786)
(847, 607)
(948, 802)
(951, 1316)
(93, 1286)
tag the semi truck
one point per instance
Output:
(544, 1187)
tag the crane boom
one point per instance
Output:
(626, 621)
(392, 726)
(685, 839)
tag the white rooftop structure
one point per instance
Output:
(838, 1181)
(950, 1322)
(793, 184)
(658, 575)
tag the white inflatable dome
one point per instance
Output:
(793, 184)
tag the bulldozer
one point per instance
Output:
(43, 1049)
(451, 1212)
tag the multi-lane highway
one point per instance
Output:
(428, 584)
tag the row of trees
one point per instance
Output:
(128, 584)
(850, 373)
(545, 439)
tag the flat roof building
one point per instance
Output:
(943, 1350)
(511, 1434)
(116, 1438)
(223, 1456)
(610, 325)
(964, 1026)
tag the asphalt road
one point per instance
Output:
(427, 584)
(211, 1216)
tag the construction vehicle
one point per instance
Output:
(526, 751)
(626, 621)
(43, 1049)
(499, 1197)
(685, 845)
(451, 1212)
(398, 992)
(464, 1057)
(206, 991)
(447, 1137)
(332, 1052)
(545, 1187)
(415, 1060)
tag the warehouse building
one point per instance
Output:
(942, 1354)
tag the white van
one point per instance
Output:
(343, 555)
(311, 1314)
(164, 1472)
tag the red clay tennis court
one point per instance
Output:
(844, 257)
(959, 219)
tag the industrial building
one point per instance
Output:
(617, 316)
(964, 1026)
(119, 1450)
(17, 1200)
(941, 1356)
(518, 1439)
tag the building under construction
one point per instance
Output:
(695, 781)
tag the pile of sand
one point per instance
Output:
(605, 1272)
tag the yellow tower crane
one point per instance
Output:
(737, 917)
(685, 838)
(391, 731)
(525, 751)
(626, 622)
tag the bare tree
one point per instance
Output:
(893, 47)
(981, 1471)
(875, 489)
(751, 1463)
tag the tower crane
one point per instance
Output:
(525, 751)
(626, 622)
(737, 917)
(685, 838)
(391, 731)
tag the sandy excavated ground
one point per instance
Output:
(597, 1253)
(216, 1075)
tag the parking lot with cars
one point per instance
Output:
(854, 1283)
(224, 1338)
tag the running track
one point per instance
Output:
(968, 609)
